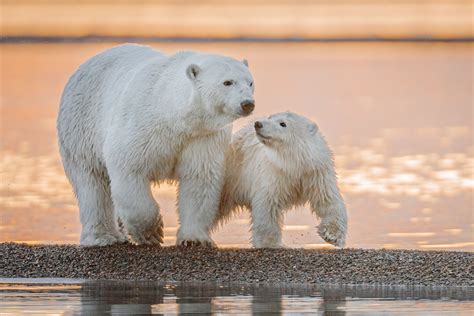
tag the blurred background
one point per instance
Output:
(390, 84)
(239, 19)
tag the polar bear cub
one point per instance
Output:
(278, 163)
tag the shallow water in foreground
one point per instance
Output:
(69, 297)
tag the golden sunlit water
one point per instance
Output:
(398, 116)
(239, 18)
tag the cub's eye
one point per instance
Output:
(251, 84)
(227, 83)
(283, 124)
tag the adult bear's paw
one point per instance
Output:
(147, 234)
(105, 239)
(194, 239)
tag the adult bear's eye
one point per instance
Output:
(227, 83)
(251, 84)
(283, 124)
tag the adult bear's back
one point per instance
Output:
(96, 85)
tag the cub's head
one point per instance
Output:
(286, 129)
(225, 86)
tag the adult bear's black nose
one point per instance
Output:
(247, 106)
(258, 125)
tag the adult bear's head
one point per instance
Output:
(225, 86)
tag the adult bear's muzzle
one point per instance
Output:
(247, 106)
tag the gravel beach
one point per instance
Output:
(298, 266)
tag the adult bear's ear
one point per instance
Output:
(313, 128)
(192, 71)
(245, 62)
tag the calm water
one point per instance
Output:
(69, 297)
(398, 116)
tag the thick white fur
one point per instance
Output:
(131, 116)
(277, 168)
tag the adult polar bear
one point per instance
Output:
(130, 116)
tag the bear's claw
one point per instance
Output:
(197, 243)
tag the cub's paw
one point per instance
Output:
(332, 233)
(151, 234)
(269, 245)
(267, 240)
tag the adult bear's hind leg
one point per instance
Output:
(99, 223)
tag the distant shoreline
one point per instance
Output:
(296, 266)
(136, 39)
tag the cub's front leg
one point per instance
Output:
(267, 222)
(327, 203)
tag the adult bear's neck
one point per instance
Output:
(203, 121)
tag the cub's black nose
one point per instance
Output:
(247, 106)
(258, 125)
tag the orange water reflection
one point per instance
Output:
(398, 116)
(71, 297)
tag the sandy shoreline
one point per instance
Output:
(298, 266)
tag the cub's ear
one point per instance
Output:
(313, 128)
(245, 62)
(192, 71)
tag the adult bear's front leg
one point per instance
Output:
(197, 210)
(137, 209)
(200, 174)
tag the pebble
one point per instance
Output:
(194, 264)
